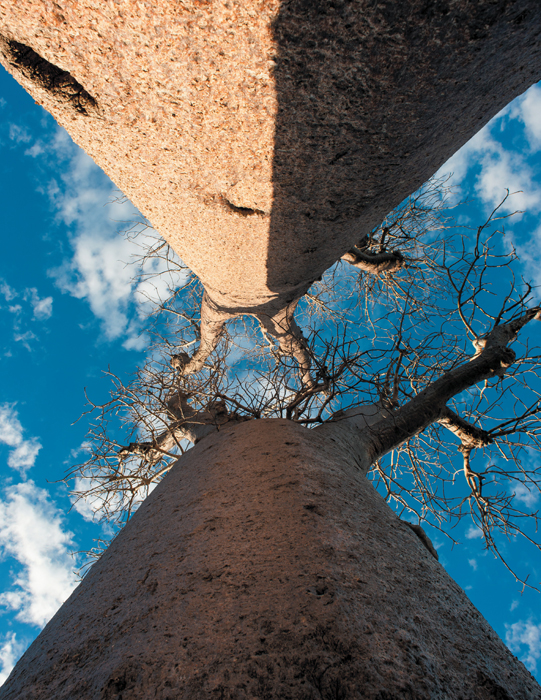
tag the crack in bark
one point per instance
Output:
(243, 211)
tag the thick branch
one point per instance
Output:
(186, 424)
(492, 360)
(374, 263)
(469, 435)
(505, 333)
(345, 426)
(281, 327)
(285, 330)
(212, 323)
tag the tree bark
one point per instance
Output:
(265, 565)
(264, 138)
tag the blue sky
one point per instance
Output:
(69, 309)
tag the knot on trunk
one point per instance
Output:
(374, 263)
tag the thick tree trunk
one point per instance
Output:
(266, 566)
(264, 138)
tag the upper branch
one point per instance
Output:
(185, 423)
(492, 359)
(374, 263)
(469, 435)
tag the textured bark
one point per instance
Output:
(264, 138)
(266, 566)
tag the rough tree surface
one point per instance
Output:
(262, 138)
(266, 566)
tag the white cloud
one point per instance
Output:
(89, 506)
(35, 150)
(30, 307)
(18, 134)
(529, 254)
(98, 270)
(6, 291)
(11, 649)
(501, 168)
(43, 308)
(25, 339)
(528, 110)
(525, 634)
(474, 533)
(514, 605)
(527, 495)
(24, 454)
(31, 531)
(473, 564)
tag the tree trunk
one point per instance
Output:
(264, 138)
(265, 565)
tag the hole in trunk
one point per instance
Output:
(56, 81)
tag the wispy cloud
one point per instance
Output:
(497, 170)
(43, 308)
(495, 167)
(32, 533)
(529, 252)
(523, 634)
(6, 291)
(529, 495)
(98, 269)
(91, 505)
(24, 452)
(474, 533)
(30, 307)
(19, 134)
(11, 649)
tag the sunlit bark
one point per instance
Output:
(265, 565)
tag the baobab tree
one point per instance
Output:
(264, 140)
